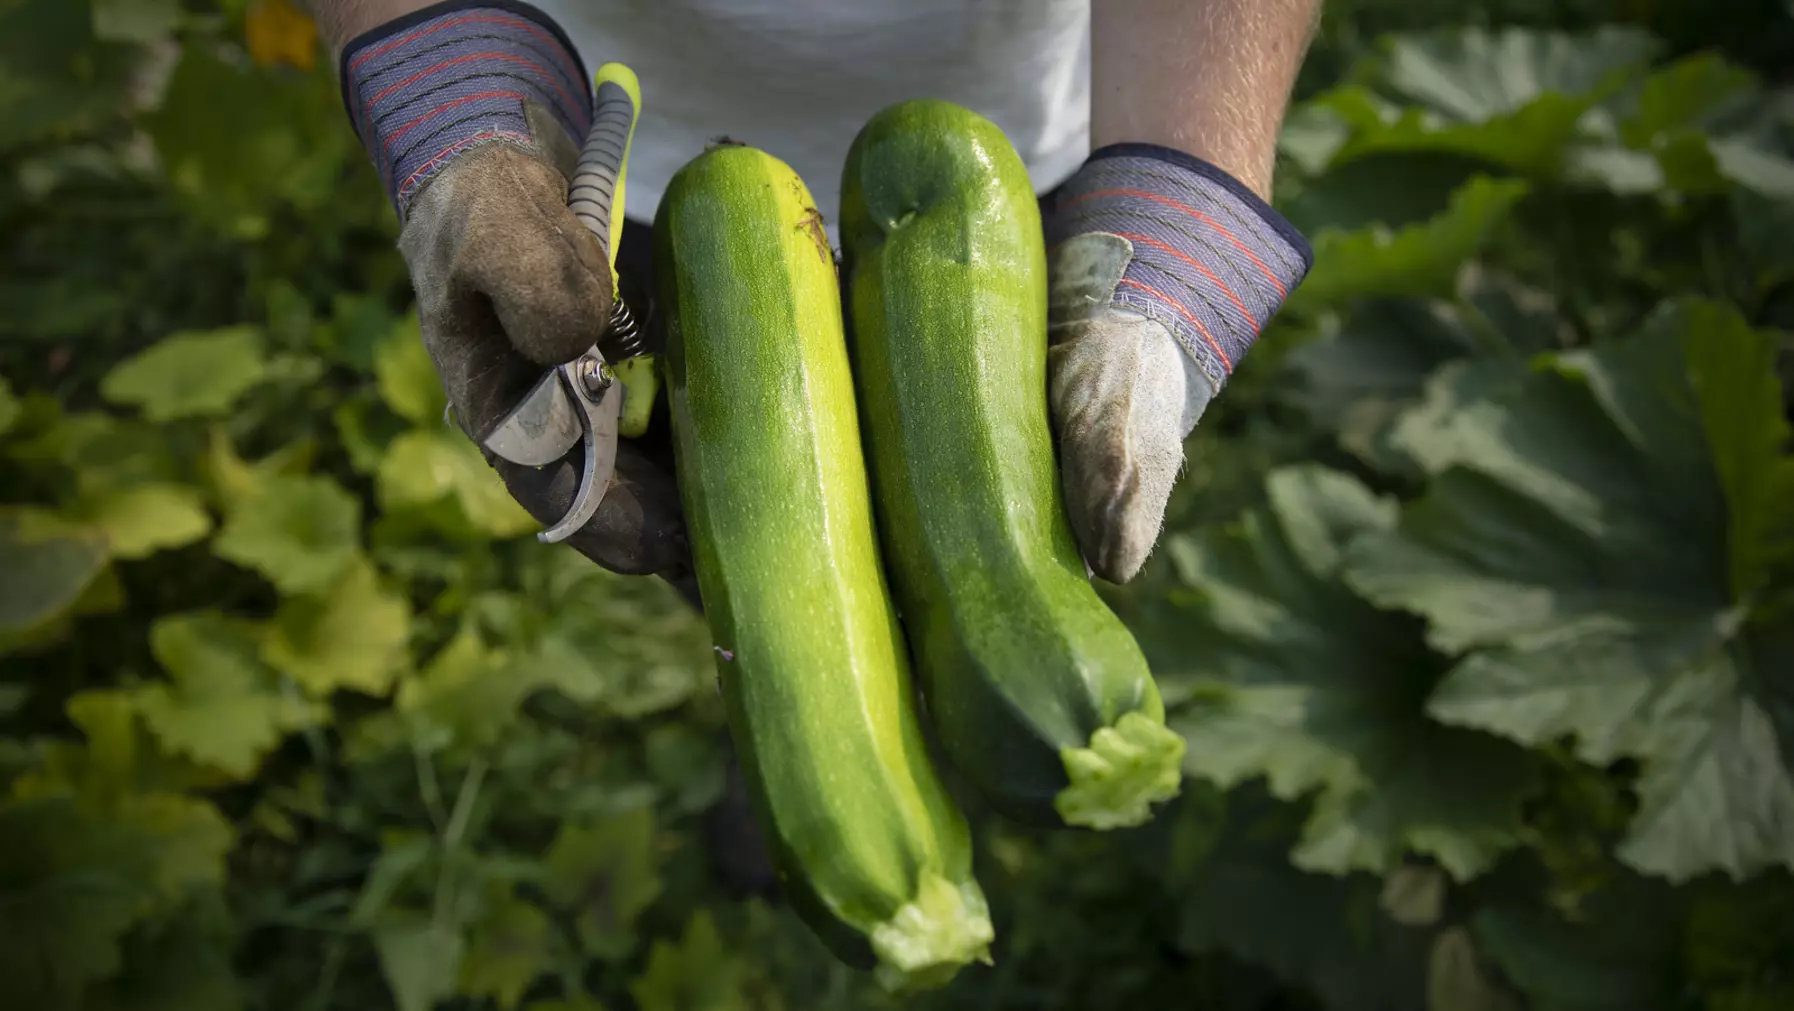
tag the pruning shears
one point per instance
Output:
(584, 399)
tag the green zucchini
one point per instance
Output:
(1038, 693)
(815, 678)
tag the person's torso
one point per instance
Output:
(798, 78)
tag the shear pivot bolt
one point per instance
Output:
(595, 376)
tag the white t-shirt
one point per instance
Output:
(798, 78)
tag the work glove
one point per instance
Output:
(1162, 271)
(474, 117)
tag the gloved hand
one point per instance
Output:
(474, 117)
(1162, 271)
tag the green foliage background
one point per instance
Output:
(1476, 605)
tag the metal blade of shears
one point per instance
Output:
(581, 400)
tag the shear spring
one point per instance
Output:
(624, 334)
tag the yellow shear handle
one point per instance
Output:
(597, 198)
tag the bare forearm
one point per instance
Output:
(342, 20)
(1209, 77)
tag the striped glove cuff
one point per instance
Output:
(1210, 259)
(426, 87)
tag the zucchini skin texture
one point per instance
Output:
(1021, 661)
(812, 664)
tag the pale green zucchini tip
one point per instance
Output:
(1124, 770)
(935, 934)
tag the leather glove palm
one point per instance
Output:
(471, 115)
(1162, 270)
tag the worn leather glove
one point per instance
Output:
(1162, 271)
(474, 115)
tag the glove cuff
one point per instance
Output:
(426, 87)
(1210, 259)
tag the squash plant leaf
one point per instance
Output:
(1618, 952)
(406, 376)
(1474, 75)
(1357, 378)
(421, 962)
(438, 468)
(1423, 258)
(1244, 898)
(1593, 541)
(1305, 684)
(1514, 98)
(287, 148)
(631, 644)
(118, 758)
(605, 875)
(58, 77)
(71, 882)
(220, 706)
(189, 374)
(352, 635)
(300, 532)
(76, 875)
(45, 564)
(183, 964)
(467, 695)
(143, 519)
(506, 951)
(699, 973)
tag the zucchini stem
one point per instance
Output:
(1124, 771)
(924, 944)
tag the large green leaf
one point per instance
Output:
(506, 951)
(1474, 75)
(234, 481)
(288, 145)
(179, 965)
(406, 375)
(45, 564)
(1301, 682)
(1679, 130)
(421, 961)
(1740, 403)
(71, 882)
(1418, 259)
(1363, 371)
(190, 841)
(1513, 98)
(56, 78)
(699, 973)
(604, 875)
(103, 453)
(1683, 95)
(629, 643)
(1619, 953)
(75, 875)
(220, 706)
(117, 759)
(189, 373)
(429, 466)
(353, 634)
(467, 696)
(140, 520)
(1326, 934)
(1533, 139)
(300, 532)
(1577, 547)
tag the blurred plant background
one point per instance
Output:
(1476, 605)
